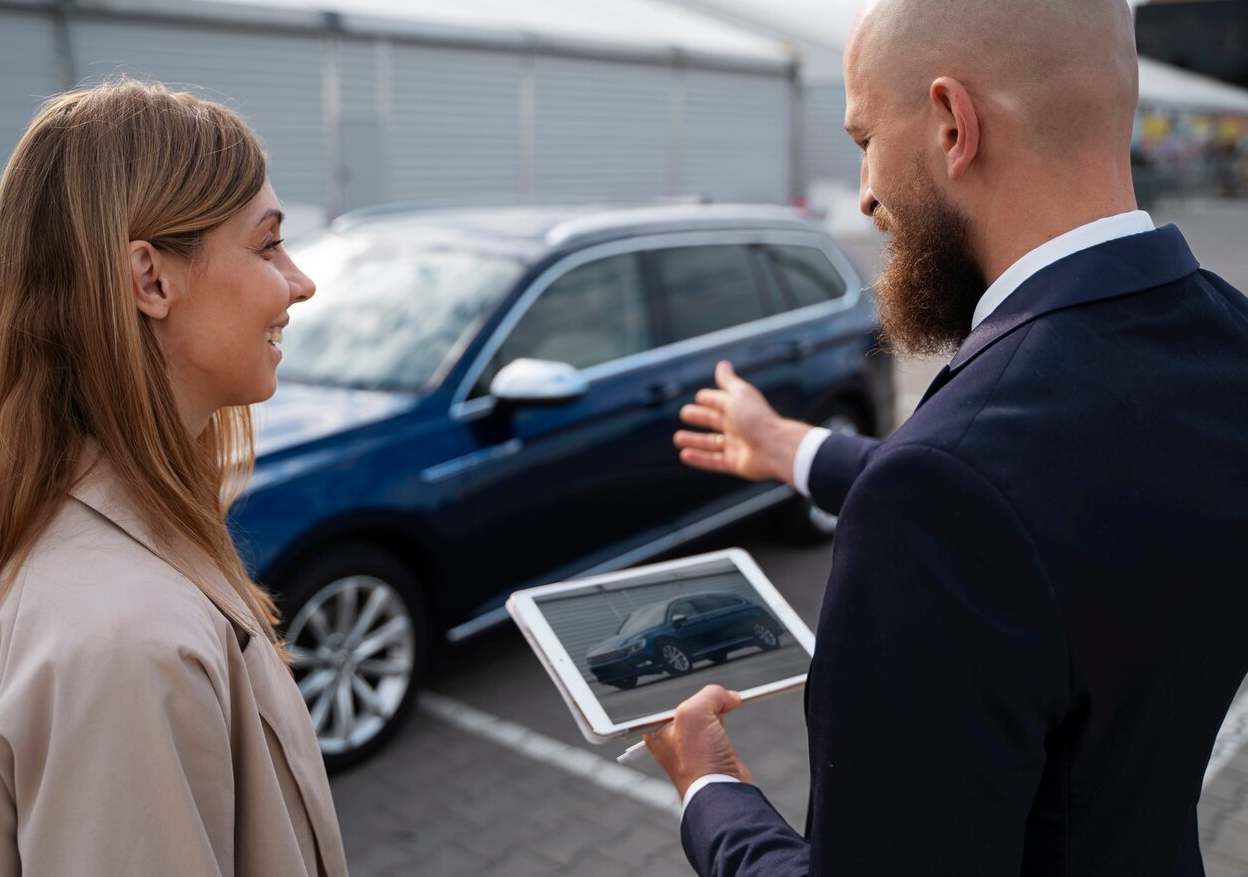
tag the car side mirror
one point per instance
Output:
(678, 620)
(538, 381)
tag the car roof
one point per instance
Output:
(706, 594)
(534, 229)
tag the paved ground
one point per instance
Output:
(493, 778)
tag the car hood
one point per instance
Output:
(302, 413)
(611, 644)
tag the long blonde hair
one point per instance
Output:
(79, 364)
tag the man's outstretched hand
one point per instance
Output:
(746, 437)
(695, 743)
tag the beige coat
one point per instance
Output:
(141, 735)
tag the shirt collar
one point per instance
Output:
(1098, 232)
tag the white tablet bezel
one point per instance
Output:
(589, 714)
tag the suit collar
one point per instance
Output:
(1123, 266)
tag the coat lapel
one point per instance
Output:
(99, 489)
(277, 697)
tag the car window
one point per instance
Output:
(387, 314)
(591, 315)
(646, 616)
(712, 602)
(806, 274)
(708, 288)
(682, 607)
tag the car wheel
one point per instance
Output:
(674, 659)
(766, 636)
(626, 683)
(805, 522)
(357, 633)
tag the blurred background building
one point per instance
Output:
(1192, 135)
(361, 102)
(368, 101)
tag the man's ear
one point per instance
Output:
(959, 125)
(149, 281)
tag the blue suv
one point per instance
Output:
(671, 636)
(480, 400)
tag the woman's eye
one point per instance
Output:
(273, 245)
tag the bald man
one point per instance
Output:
(1034, 622)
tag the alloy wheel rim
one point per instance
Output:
(352, 648)
(764, 635)
(675, 658)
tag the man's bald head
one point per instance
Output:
(987, 127)
(1066, 70)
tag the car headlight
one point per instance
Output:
(635, 647)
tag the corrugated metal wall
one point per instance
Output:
(828, 153)
(28, 71)
(454, 123)
(273, 80)
(600, 127)
(351, 119)
(736, 136)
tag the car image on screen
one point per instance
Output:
(671, 636)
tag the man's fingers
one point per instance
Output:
(716, 400)
(699, 441)
(706, 460)
(725, 374)
(706, 418)
(711, 701)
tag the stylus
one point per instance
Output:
(632, 753)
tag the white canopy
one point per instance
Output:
(647, 27)
(1165, 87)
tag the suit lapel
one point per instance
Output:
(1120, 267)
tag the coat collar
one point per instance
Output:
(98, 487)
(1119, 267)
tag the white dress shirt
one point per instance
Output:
(1094, 233)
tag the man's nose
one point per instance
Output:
(866, 198)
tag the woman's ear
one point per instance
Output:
(152, 295)
(959, 125)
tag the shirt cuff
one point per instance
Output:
(804, 459)
(701, 783)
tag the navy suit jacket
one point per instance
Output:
(1034, 623)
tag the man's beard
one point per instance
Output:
(930, 284)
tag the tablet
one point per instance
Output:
(624, 649)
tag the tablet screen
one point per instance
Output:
(629, 647)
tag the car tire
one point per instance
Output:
(675, 660)
(357, 630)
(766, 636)
(803, 522)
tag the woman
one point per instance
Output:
(148, 722)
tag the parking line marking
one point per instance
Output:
(1232, 736)
(600, 771)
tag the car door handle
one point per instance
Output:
(657, 394)
(795, 350)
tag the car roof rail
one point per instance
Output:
(584, 230)
(429, 205)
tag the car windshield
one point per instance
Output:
(386, 313)
(646, 616)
